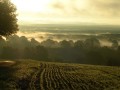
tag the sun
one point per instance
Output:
(32, 5)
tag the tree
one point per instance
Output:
(79, 44)
(65, 44)
(115, 44)
(8, 20)
(34, 43)
(50, 43)
(92, 43)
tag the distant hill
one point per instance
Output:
(37, 75)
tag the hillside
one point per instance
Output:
(37, 75)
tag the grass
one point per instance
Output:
(38, 75)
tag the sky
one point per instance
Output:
(68, 11)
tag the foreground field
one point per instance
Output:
(36, 75)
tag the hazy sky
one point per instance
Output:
(68, 11)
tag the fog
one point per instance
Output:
(71, 32)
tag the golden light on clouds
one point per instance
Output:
(68, 11)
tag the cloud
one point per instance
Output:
(106, 8)
(70, 7)
(100, 8)
(76, 11)
(58, 5)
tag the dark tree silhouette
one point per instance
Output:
(79, 44)
(49, 43)
(34, 42)
(8, 53)
(115, 44)
(65, 44)
(8, 20)
(40, 53)
(92, 43)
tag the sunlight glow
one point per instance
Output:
(32, 5)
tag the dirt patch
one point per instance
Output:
(6, 63)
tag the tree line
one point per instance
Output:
(88, 51)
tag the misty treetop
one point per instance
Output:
(8, 20)
(88, 51)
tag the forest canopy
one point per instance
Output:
(89, 51)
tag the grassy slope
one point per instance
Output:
(31, 75)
